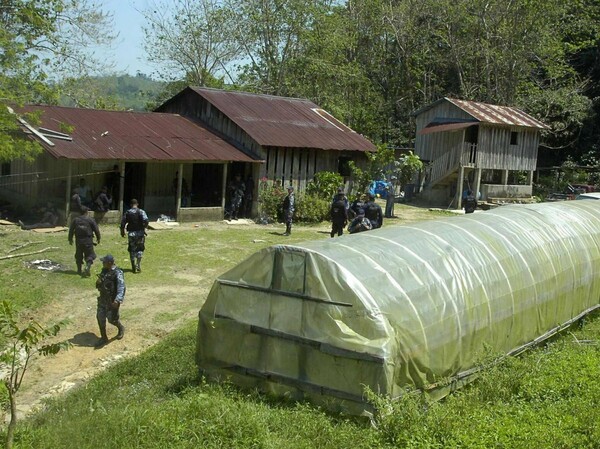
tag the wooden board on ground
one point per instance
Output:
(6, 222)
(48, 230)
(158, 225)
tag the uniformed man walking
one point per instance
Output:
(135, 222)
(339, 214)
(84, 228)
(373, 212)
(111, 285)
(289, 206)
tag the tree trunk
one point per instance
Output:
(10, 433)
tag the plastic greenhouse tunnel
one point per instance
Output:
(401, 306)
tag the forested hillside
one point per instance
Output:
(111, 92)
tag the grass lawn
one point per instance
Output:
(547, 398)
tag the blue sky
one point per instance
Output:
(127, 52)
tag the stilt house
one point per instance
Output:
(476, 146)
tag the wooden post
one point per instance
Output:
(178, 196)
(121, 186)
(459, 186)
(505, 177)
(68, 192)
(530, 178)
(224, 187)
(477, 185)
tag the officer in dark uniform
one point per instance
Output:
(339, 214)
(470, 203)
(84, 228)
(289, 206)
(236, 192)
(111, 285)
(135, 221)
(373, 212)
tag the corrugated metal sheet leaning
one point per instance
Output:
(401, 306)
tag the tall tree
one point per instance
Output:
(191, 40)
(271, 33)
(38, 38)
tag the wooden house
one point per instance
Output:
(476, 146)
(144, 150)
(294, 137)
(206, 135)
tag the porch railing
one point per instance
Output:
(464, 153)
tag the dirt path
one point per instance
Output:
(49, 376)
(148, 315)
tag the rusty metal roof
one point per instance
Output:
(491, 113)
(140, 136)
(285, 122)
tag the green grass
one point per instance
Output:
(547, 398)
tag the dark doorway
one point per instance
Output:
(472, 134)
(135, 182)
(207, 185)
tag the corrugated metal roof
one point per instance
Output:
(141, 136)
(498, 115)
(285, 122)
(490, 113)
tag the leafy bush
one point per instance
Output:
(310, 208)
(270, 199)
(324, 185)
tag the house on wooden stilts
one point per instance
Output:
(467, 145)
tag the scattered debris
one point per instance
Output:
(44, 264)
(29, 254)
(258, 241)
(23, 246)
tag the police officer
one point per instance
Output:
(470, 203)
(135, 221)
(84, 228)
(236, 191)
(339, 214)
(111, 285)
(373, 212)
(289, 206)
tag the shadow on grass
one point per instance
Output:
(67, 272)
(282, 234)
(86, 339)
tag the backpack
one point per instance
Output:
(82, 228)
(337, 210)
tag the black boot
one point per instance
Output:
(121, 333)
(103, 338)
(138, 265)
(133, 267)
(88, 267)
(78, 268)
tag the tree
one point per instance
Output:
(23, 343)
(191, 40)
(271, 34)
(38, 39)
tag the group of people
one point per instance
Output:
(110, 282)
(241, 194)
(363, 214)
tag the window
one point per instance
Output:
(514, 138)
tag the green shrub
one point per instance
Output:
(311, 209)
(324, 185)
(270, 200)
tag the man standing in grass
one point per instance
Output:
(289, 205)
(135, 221)
(84, 228)
(111, 285)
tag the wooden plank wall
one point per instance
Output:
(297, 165)
(495, 151)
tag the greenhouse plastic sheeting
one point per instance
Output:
(403, 305)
